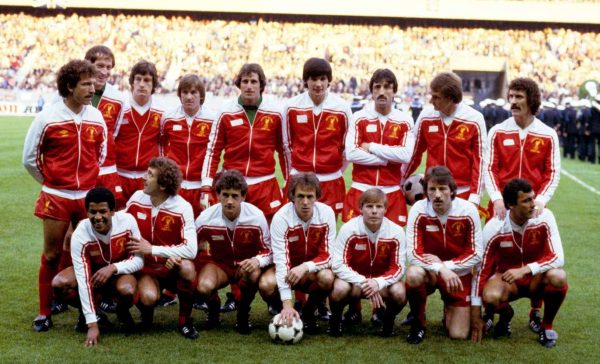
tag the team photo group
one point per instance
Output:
(142, 202)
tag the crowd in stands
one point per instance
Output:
(558, 59)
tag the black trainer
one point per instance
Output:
(502, 327)
(230, 304)
(167, 300)
(200, 305)
(127, 323)
(189, 331)
(322, 312)
(535, 321)
(416, 335)
(42, 323)
(548, 338)
(335, 328)
(213, 320)
(108, 305)
(146, 318)
(488, 321)
(352, 318)
(81, 326)
(377, 317)
(311, 326)
(243, 327)
(58, 306)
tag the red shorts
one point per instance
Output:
(50, 206)
(112, 181)
(266, 196)
(332, 193)
(130, 185)
(458, 298)
(396, 210)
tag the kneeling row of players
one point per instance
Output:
(134, 254)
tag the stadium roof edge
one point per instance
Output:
(583, 12)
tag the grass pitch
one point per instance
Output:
(578, 322)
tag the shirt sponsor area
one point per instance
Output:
(18, 108)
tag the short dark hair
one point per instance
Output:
(532, 91)
(144, 68)
(449, 85)
(315, 67)
(231, 179)
(510, 192)
(192, 81)
(372, 195)
(442, 176)
(306, 181)
(71, 73)
(383, 74)
(169, 174)
(99, 195)
(249, 68)
(99, 50)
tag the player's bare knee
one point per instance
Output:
(325, 279)
(415, 276)
(398, 293)
(267, 285)
(556, 277)
(59, 283)
(149, 297)
(205, 287)
(458, 333)
(126, 289)
(492, 296)
(340, 290)
(187, 270)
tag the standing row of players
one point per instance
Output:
(71, 147)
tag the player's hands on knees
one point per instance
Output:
(288, 314)
(139, 246)
(430, 258)
(370, 287)
(296, 274)
(249, 265)
(376, 301)
(512, 275)
(499, 209)
(451, 280)
(173, 262)
(103, 275)
(477, 324)
(93, 335)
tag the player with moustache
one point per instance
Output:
(102, 267)
(444, 244)
(522, 146)
(379, 143)
(522, 257)
(63, 150)
(168, 243)
(301, 233)
(236, 236)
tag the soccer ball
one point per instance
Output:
(413, 189)
(282, 334)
